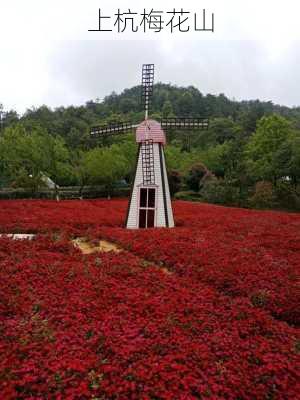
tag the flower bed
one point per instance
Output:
(113, 326)
(239, 252)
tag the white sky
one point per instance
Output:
(47, 55)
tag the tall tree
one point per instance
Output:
(26, 155)
(105, 166)
(264, 151)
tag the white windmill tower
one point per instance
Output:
(150, 202)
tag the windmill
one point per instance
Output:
(150, 203)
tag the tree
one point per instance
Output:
(1, 116)
(127, 105)
(221, 130)
(167, 110)
(128, 150)
(175, 179)
(78, 162)
(186, 103)
(196, 174)
(174, 157)
(10, 117)
(294, 162)
(105, 166)
(265, 152)
(252, 112)
(28, 154)
(58, 165)
(22, 154)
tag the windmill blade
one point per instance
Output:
(185, 123)
(112, 129)
(147, 86)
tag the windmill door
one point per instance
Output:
(147, 207)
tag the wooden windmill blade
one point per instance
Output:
(188, 123)
(185, 124)
(147, 86)
(112, 129)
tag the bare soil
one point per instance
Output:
(87, 247)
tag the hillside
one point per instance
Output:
(248, 143)
(74, 122)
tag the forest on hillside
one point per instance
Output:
(249, 156)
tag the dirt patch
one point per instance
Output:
(87, 247)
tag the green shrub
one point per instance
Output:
(188, 195)
(195, 174)
(175, 181)
(264, 196)
(219, 191)
(287, 196)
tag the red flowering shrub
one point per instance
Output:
(113, 326)
(239, 252)
(73, 217)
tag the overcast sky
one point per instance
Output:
(36, 70)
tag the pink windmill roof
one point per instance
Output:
(150, 129)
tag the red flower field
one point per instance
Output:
(208, 310)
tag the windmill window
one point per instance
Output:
(143, 198)
(147, 208)
(151, 198)
(150, 218)
(143, 218)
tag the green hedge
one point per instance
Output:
(73, 192)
